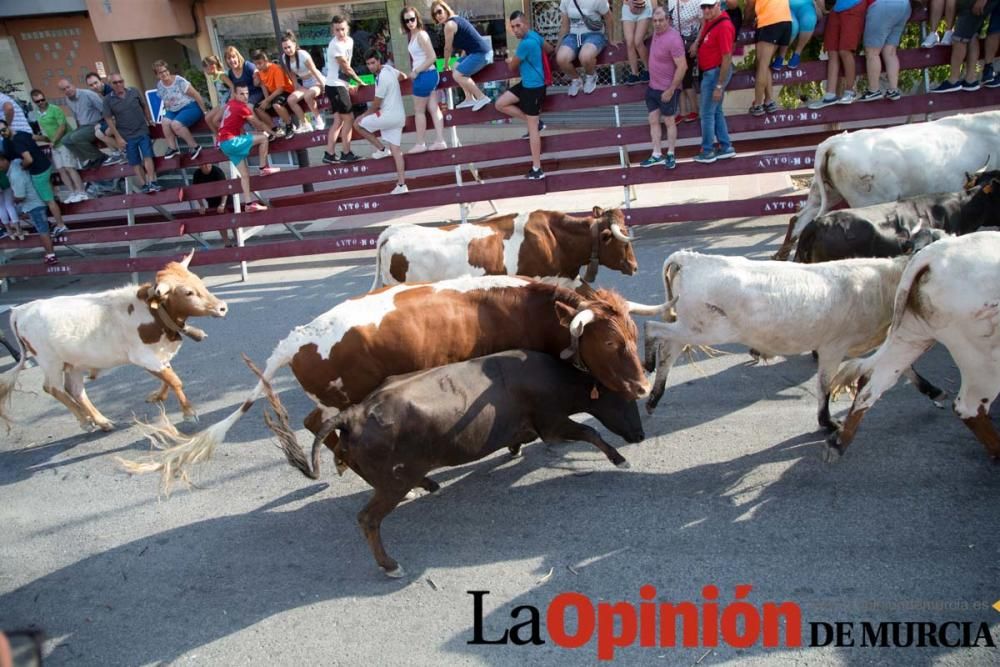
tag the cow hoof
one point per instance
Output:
(396, 573)
(623, 465)
(191, 418)
(154, 398)
(831, 453)
(88, 427)
(106, 426)
(831, 425)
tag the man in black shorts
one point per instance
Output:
(339, 73)
(524, 100)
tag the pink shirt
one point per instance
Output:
(662, 51)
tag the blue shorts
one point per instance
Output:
(803, 16)
(426, 82)
(138, 149)
(187, 116)
(238, 148)
(576, 42)
(884, 23)
(40, 219)
(473, 62)
(654, 101)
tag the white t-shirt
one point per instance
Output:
(387, 90)
(334, 50)
(690, 17)
(595, 9)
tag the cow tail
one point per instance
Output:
(178, 452)
(8, 383)
(912, 273)
(383, 238)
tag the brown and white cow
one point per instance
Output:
(345, 353)
(540, 244)
(71, 336)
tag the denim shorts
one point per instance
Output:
(426, 82)
(473, 62)
(968, 25)
(40, 219)
(884, 23)
(138, 148)
(187, 115)
(576, 42)
(654, 101)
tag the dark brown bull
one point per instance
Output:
(456, 414)
(888, 230)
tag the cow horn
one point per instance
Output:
(582, 319)
(619, 234)
(187, 259)
(982, 170)
(643, 309)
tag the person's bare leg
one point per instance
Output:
(873, 67)
(420, 118)
(891, 66)
(397, 157)
(184, 133)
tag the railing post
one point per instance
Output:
(133, 246)
(463, 208)
(622, 149)
(237, 209)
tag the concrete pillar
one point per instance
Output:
(128, 64)
(509, 6)
(400, 55)
(204, 44)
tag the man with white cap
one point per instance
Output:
(715, 62)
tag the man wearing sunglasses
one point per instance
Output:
(52, 121)
(128, 117)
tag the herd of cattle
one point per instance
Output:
(414, 376)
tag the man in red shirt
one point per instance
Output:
(237, 145)
(715, 61)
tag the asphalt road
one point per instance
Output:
(258, 565)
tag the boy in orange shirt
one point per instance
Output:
(274, 81)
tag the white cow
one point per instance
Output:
(949, 293)
(837, 309)
(882, 165)
(72, 336)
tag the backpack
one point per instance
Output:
(546, 69)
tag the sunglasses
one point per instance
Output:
(409, 19)
(39, 100)
(115, 82)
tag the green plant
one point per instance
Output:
(197, 79)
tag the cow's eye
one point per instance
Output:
(190, 292)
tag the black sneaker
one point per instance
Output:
(631, 79)
(541, 127)
(349, 156)
(771, 107)
(330, 159)
(171, 154)
(535, 174)
(154, 187)
(196, 152)
(970, 86)
(289, 131)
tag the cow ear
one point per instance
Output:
(598, 211)
(162, 290)
(606, 236)
(565, 313)
(187, 259)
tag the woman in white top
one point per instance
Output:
(636, 15)
(309, 81)
(425, 79)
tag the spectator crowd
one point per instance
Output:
(686, 65)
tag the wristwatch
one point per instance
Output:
(719, 87)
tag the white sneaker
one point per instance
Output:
(400, 189)
(303, 128)
(589, 84)
(931, 40)
(848, 97)
(378, 155)
(82, 196)
(318, 122)
(481, 102)
(823, 55)
(574, 87)
(439, 146)
(946, 40)
(467, 103)
(417, 148)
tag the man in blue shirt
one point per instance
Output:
(524, 100)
